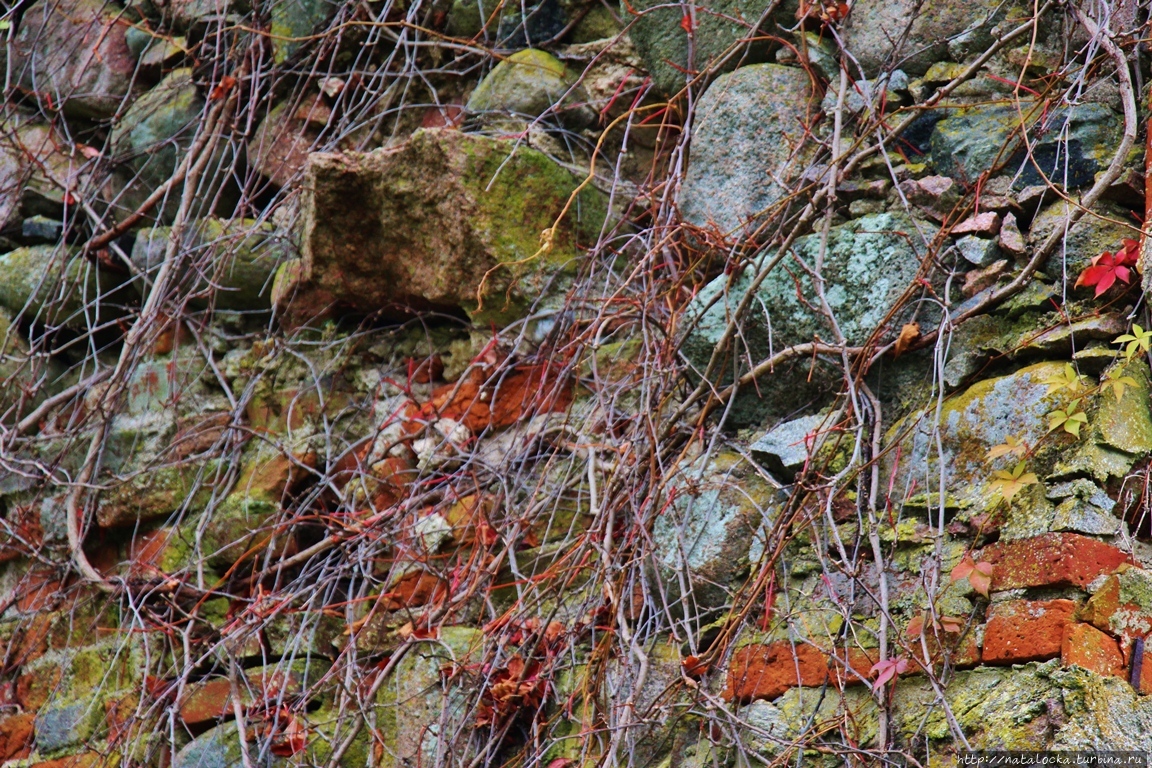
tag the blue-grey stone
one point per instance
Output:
(786, 446)
(40, 229)
(978, 250)
(66, 725)
(748, 144)
(869, 263)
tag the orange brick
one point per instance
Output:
(859, 667)
(1087, 647)
(767, 671)
(1022, 630)
(39, 591)
(1054, 559)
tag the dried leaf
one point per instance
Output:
(908, 336)
(694, 667)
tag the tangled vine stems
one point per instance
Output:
(628, 471)
(146, 324)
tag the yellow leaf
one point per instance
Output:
(1119, 383)
(1008, 484)
(1010, 447)
(1068, 378)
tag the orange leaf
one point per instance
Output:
(981, 578)
(908, 335)
(226, 84)
(963, 568)
(693, 667)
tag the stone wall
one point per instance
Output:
(572, 383)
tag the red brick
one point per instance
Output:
(1054, 559)
(1021, 630)
(39, 591)
(1087, 647)
(767, 671)
(859, 668)
(208, 703)
(966, 651)
(211, 702)
(16, 735)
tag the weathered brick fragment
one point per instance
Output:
(1053, 559)
(1087, 647)
(767, 671)
(1022, 630)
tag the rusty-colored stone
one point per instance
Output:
(16, 732)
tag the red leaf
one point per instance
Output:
(1107, 268)
(686, 23)
(886, 670)
(981, 578)
(292, 740)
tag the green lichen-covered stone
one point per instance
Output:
(443, 217)
(996, 708)
(293, 20)
(912, 35)
(415, 704)
(748, 144)
(527, 84)
(53, 284)
(157, 493)
(1022, 335)
(600, 23)
(721, 26)
(869, 264)
(221, 748)
(974, 140)
(778, 724)
(708, 533)
(952, 446)
(1104, 229)
(1101, 713)
(239, 258)
(1125, 424)
(152, 137)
